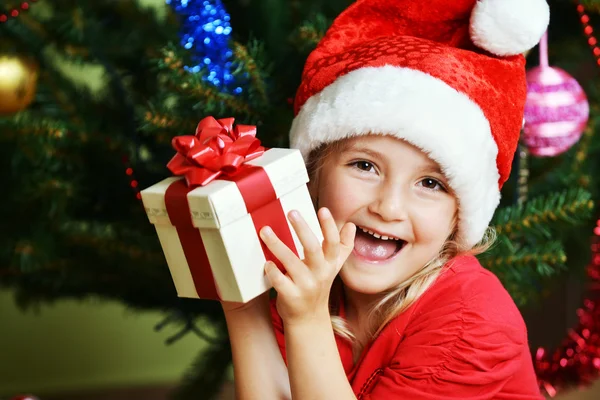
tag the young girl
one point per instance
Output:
(408, 116)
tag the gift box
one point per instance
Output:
(207, 218)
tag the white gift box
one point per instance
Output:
(221, 229)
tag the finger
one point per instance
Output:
(347, 235)
(280, 282)
(293, 265)
(313, 253)
(331, 235)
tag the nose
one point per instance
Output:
(389, 203)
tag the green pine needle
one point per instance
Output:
(539, 216)
(249, 60)
(521, 268)
(310, 33)
(28, 124)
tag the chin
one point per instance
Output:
(358, 280)
(374, 278)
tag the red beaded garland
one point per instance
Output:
(589, 32)
(14, 13)
(577, 361)
(133, 183)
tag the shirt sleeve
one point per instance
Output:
(278, 328)
(460, 346)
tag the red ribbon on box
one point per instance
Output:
(219, 151)
(218, 148)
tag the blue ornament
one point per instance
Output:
(205, 31)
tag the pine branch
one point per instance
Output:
(60, 88)
(521, 269)
(26, 128)
(250, 60)
(109, 240)
(579, 172)
(194, 89)
(26, 263)
(37, 282)
(60, 191)
(33, 26)
(73, 30)
(583, 151)
(568, 169)
(162, 122)
(67, 271)
(543, 258)
(27, 124)
(310, 33)
(538, 216)
(591, 5)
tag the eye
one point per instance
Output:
(363, 165)
(432, 184)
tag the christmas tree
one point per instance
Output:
(74, 157)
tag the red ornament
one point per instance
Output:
(24, 397)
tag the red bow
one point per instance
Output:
(217, 148)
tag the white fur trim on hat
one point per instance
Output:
(425, 112)
(508, 27)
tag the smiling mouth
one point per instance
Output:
(373, 247)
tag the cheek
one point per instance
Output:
(434, 224)
(340, 195)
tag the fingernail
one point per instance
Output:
(270, 266)
(326, 213)
(266, 231)
(294, 215)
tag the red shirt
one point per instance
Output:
(464, 338)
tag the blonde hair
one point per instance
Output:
(398, 299)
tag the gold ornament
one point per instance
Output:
(18, 82)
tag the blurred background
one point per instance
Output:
(91, 94)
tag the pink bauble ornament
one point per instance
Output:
(556, 110)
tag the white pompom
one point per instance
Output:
(508, 27)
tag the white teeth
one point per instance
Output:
(378, 236)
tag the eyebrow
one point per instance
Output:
(431, 166)
(372, 153)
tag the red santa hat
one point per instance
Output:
(446, 76)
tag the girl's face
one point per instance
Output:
(392, 190)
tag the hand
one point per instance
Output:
(303, 293)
